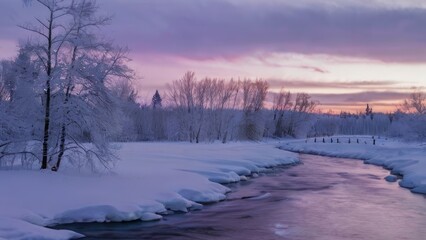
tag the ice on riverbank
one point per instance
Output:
(406, 159)
(150, 179)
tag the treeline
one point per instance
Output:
(69, 93)
(406, 122)
(214, 109)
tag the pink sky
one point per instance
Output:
(345, 53)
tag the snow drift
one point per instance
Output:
(150, 179)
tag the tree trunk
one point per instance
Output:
(225, 136)
(61, 148)
(278, 127)
(63, 127)
(47, 93)
(197, 138)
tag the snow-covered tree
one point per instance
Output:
(20, 112)
(77, 70)
(7, 80)
(51, 35)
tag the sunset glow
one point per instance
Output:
(344, 53)
(212, 119)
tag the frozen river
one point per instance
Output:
(323, 198)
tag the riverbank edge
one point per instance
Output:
(182, 177)
(366, 160)
(252, 176)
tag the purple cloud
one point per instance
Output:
(372, 85)
(213, 29)
(381, 101)
(362, 97)
(205, 29)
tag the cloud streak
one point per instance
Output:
(277, 83)
(384, 101)
(205, 29)
(361, 97)
(381, 101)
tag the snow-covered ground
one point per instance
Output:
(405, 159)
(150, 179)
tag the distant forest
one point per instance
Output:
(68, 94)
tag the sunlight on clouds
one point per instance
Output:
(314, 74)
(332, 71)
(308, 46)
(408, 75)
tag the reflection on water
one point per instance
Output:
(324, 198)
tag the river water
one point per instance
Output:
(323, 198)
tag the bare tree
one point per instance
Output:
(227, 100)
(303, 103)
(300, 113)
(254, 95)
(202, 98)
(181, 94)
(416, 102)
(282, 102)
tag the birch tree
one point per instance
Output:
(78, 71)
(52, 35)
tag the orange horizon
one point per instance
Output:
(355, 109)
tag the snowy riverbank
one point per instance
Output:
(150, 179)
(406, 159)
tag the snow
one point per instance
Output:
(150, 179)
(402, 158)
(8, 230)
